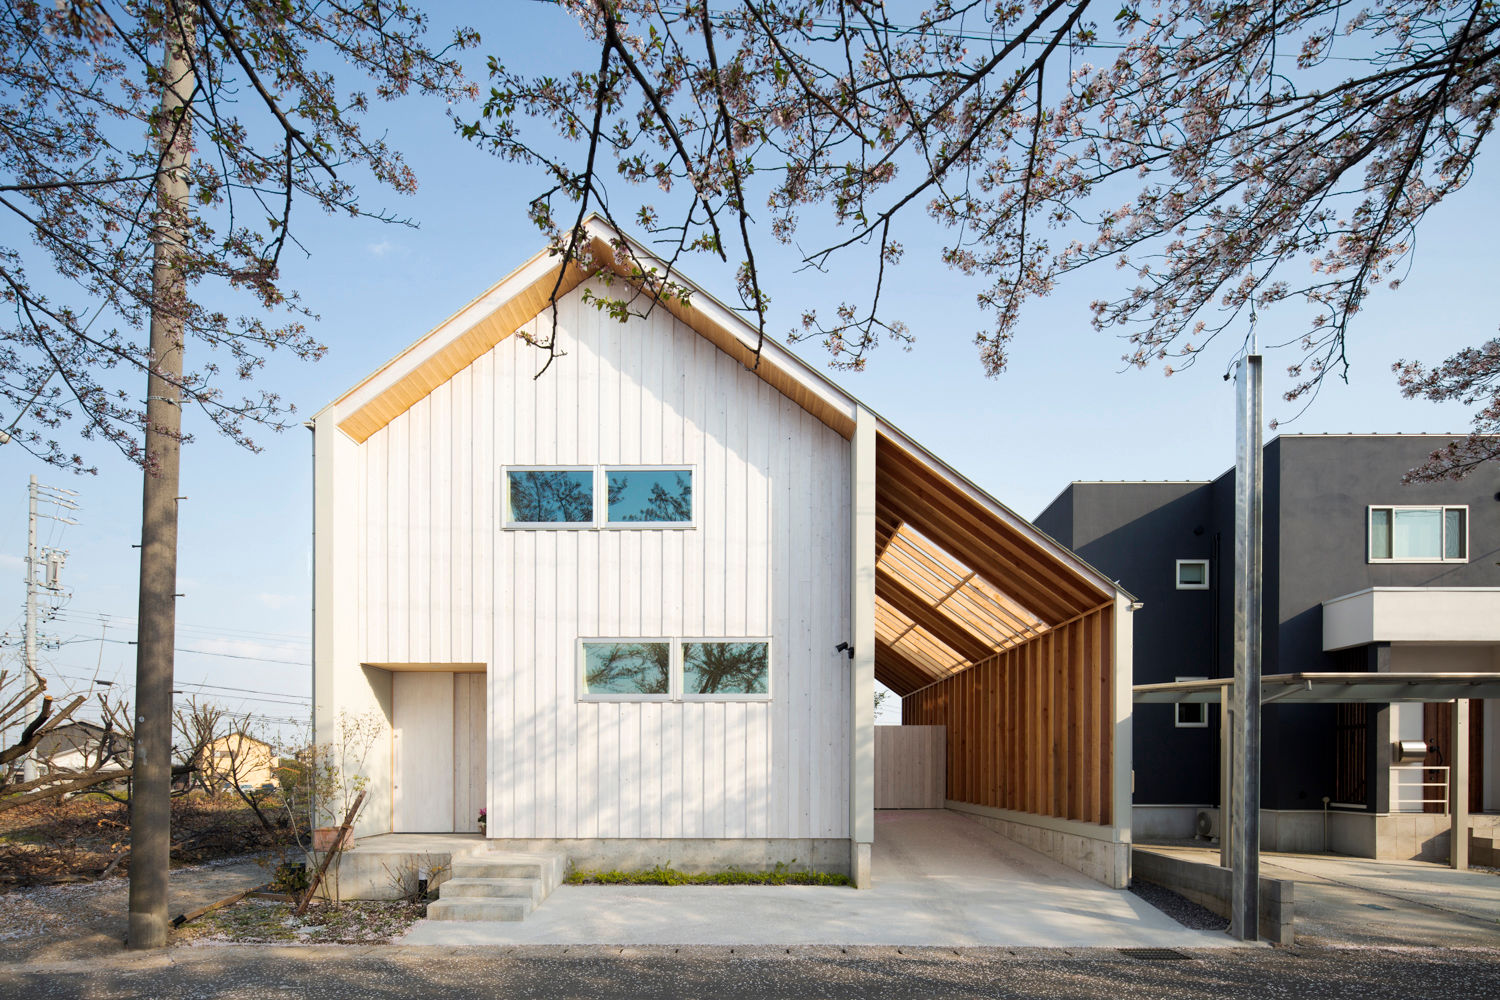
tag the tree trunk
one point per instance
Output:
(150, 801)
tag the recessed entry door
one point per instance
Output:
(437, 746)
(422, 752)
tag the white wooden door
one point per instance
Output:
(422, 752)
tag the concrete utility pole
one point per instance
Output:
(151, 785)
(1244, 843)
(36, 559)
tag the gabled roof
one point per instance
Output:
(959, 576)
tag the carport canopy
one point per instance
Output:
(959, 577)
(1331, 687)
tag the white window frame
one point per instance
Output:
(601, 498)
(1207, 574)
(681, 675)
(1441, 508)
(1179, 706)
(512, 525)
(674, 670)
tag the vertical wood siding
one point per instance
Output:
(911, 765)
(769, 556)
(1031, 728)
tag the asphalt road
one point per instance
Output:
(244, 972)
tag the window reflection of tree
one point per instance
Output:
(547, 496)
(628, 667)
(724, 667)
(662, 505)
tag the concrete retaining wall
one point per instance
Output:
(367, 874)
(1096, 851)
(1209, 887)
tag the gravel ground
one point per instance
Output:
(79, 920)
(244, 972)
(1184, 911)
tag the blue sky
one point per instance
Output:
(1063, 411)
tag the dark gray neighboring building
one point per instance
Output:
(1411, 575)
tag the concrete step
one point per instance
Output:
(483, 866)
(494, 888)
(479, 909)
(497, 885)
(549, 866)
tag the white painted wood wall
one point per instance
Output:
(441, 582)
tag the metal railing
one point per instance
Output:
(1418, 793)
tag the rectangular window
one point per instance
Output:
(1419, 534)
(1192, 574)
(627, 670)
(737, 669)
(549, 497)
(656, 497)
(1190, 716)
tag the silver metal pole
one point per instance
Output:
(1244, 917)
(1226, 775)
(1458, 787)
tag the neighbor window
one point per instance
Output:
(1192, 574)
(627, 669)
(1419, 534)
(1191, 716)
(645, 497)
(725, 669)
(549, 496)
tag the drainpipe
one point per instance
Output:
(313, 605)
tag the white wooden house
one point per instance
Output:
(635, 608)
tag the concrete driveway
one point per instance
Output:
(940, 879)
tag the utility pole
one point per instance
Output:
(1244, 847)
(36, 559)
(151, 786)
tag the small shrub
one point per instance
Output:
(291, 877)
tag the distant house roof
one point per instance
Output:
(960, 575)
(79, 737)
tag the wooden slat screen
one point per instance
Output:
(1031, 727)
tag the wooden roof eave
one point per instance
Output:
(523, 294)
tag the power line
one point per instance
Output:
(297, 698)
(182, 649)
(105, 617)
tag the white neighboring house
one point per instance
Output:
(635, 608)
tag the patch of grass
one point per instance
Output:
(659, 875)
(261, 921)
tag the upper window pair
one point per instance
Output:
(1419, 534)
(609, 496)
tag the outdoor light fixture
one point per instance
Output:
(844, 647)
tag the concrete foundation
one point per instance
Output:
(1404, 836)
(1165, 822)
(859, 865)
(701, 855)
(1096, 851)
